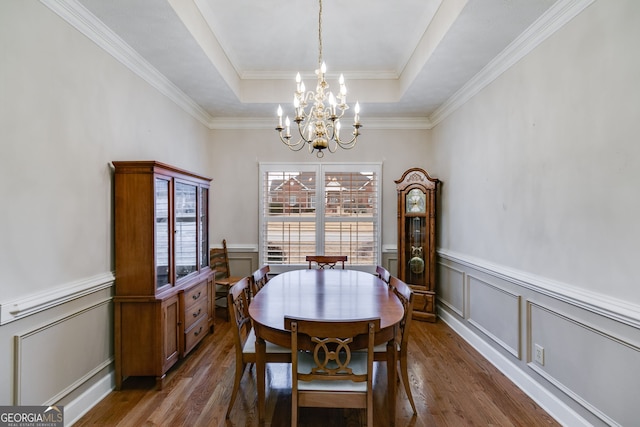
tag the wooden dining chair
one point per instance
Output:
(383, 273)
(219, 261)
(260, 278)
(405, 295)
(244, 336)
(328, 261)
(331, 375)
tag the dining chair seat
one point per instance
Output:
(358, 364)
(250, 346)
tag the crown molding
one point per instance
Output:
(261, 123)
(84, 21)
(95, 30)
(308, 74)
(550, 22)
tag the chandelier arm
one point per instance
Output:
(347, 145)
(294, 146)
(335, 146)
(301, 131)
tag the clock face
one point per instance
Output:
(415, 202)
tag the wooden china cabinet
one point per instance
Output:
(163, 304)
(417, 239)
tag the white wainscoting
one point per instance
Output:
(591, 343)
(60, 346)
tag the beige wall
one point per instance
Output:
(541, 167)
(236, 154)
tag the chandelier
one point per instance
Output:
(319, 128)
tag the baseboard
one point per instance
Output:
(554, 407)
(74, 410)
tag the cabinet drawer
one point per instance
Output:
(194, 312)
(195, 334)
(195, 294)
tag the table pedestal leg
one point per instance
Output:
(392, 379)
(260, 374)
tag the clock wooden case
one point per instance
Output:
(416, 192)
(163, 304)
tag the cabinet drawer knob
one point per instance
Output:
(195, 297)
(198, 313)
(196, 333)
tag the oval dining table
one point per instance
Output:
(324, 295)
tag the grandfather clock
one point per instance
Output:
(417, 239)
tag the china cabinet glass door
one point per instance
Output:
(204, 228)
(186, 244)
(162, 255)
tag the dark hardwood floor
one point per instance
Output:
(452, 386)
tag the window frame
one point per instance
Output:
(320, 169)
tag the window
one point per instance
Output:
(319, 208)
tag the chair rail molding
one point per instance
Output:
(34, 303)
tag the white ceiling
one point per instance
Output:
(238, 59)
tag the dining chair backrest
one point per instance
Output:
(331, 375)
(219, 261)
(405, 295)
(260, 278)
(244, 336)
(326, 261)
(238, 303)
(383, 273)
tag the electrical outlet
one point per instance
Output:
(538, 354)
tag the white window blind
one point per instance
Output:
(319, 208)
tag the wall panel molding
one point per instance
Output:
(496, 312)
(597, 303)
(452, 293)
(54, 359)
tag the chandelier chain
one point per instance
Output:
(320, 34)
